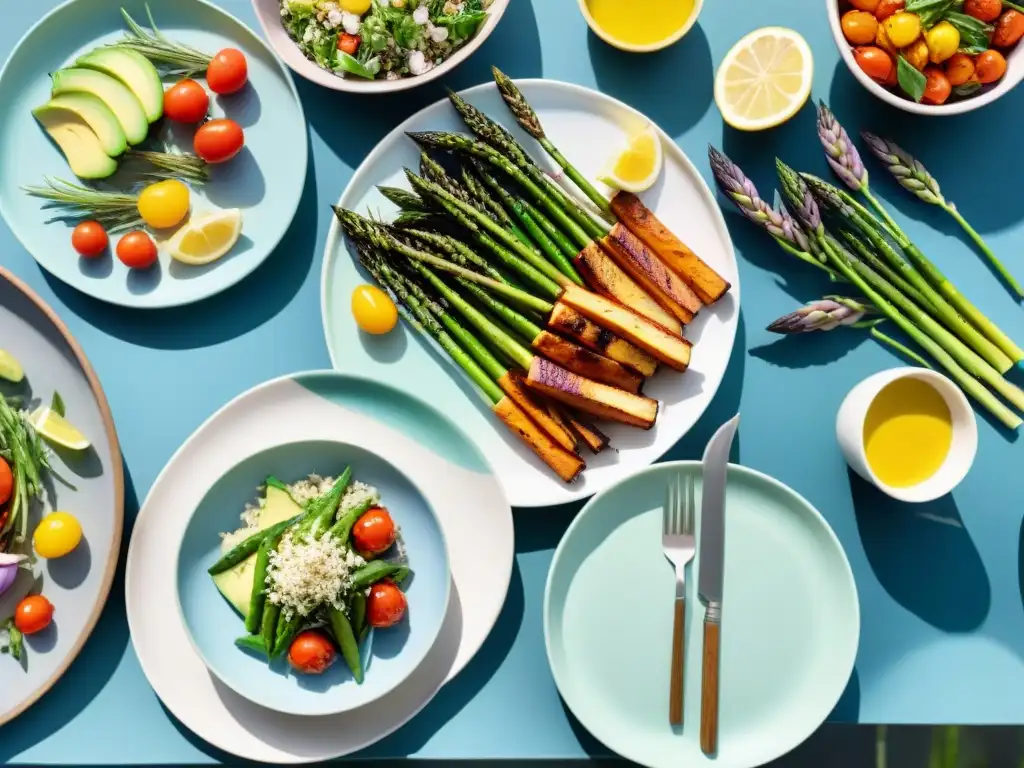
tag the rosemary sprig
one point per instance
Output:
(173, 165)
(114, 210)
(176, 58)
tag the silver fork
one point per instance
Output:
(679, 544)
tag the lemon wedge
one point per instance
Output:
(57, 429)
(636, 168)
(10, 368)
(207, 238)
(765, 79)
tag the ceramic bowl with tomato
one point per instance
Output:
(956, 57)
(391, 654)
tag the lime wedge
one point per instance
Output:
(57, 429)
(10, 368)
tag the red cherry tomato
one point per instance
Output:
(219, 140)
(386, 604)
(348, 43)
(33, 614)
(227, 71)
(186, 102)
(311, 653)
(89, 239)
(6, 481)
(136, 250)
(374, 532)
(875, 62)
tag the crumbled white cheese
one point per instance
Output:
(418, 64)
(421, 15)
(351, 23)
(334, 18)
(303, 575)
(392, 75)
(307, 36)
(437, 34)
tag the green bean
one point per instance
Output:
(259, 586)
(252, 643)
(400, 574)
(342, 529)
(374, 571)
(321, 509)
(273, 482)
(358, 611)
(239, 552)
(268, 627)
(286, 632)
(341, 628)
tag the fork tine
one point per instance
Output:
(691, 505)
(666, 511)
(678, 528)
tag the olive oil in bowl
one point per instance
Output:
(640, 25)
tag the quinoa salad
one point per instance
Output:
(382, 39)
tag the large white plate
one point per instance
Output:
(435, 455)
(588, 126)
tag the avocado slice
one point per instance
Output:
(97, 115)
(135, 71)
(112, 92)
(84, 151)
(236, 583)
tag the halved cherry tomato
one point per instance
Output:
(227, 71)
(348, 43)
(219, 140)
(33, 614)
(6, 481)
(137, 250)
(89, 239)
(186, 102)
(385, 605)
(875, 62)
(374, 532)
(311, 653)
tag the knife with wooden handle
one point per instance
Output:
(711, 575)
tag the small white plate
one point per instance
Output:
(435, 455)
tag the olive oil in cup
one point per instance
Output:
(908, 431)
(640, 26)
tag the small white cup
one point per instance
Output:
(850, 433)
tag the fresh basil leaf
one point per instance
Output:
(911, 81)
(929, 11)
(974, 34)
(967, 89)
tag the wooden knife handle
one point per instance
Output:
(709, 689)
(675, 701)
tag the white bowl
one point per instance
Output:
(675, 37)
(850, 433)
(269, 14)
(1014, 74)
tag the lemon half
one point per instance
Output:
(765, 79)
(636, 168)
(57, 429)
(206, 238)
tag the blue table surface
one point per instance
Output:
(940, 584)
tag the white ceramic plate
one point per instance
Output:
(435, 455)
(680, 198)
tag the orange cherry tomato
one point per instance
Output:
(959, 69)
(984, 10)
(137, 250)
(33, 614)
(227, 72)
(219, 140)
(348, 43)
(937, 87)
(6, 481)
(89, 239)
(186, 102)
(1009, 29)
(386, 604)
(311, 653)
(887, 8)
(374, 532)
(865, 5)
(874, 62)
(859, 27)
(989, 66)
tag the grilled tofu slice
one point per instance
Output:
(566, 464)
(664, 285)
(591, 397)
(513, 387)
(571, 323)
(670, 349)
(641, 221)
(603, 275)
(588, 364)
(592, 437)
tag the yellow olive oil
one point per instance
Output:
(640, 22)
(907, 433)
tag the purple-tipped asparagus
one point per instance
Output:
(840, 152)
(823, 315)
(798, 199)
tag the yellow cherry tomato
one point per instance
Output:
(916, 54)
(882, 41)
(57, 535)
(358, 7)
(903, 28)
(943, 40)
(373, 309)
(164, 204)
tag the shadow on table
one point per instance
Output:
(847, 709)
(246, 305)
(924, 557)
(639, 80)
(89, 673)
(514, 47)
